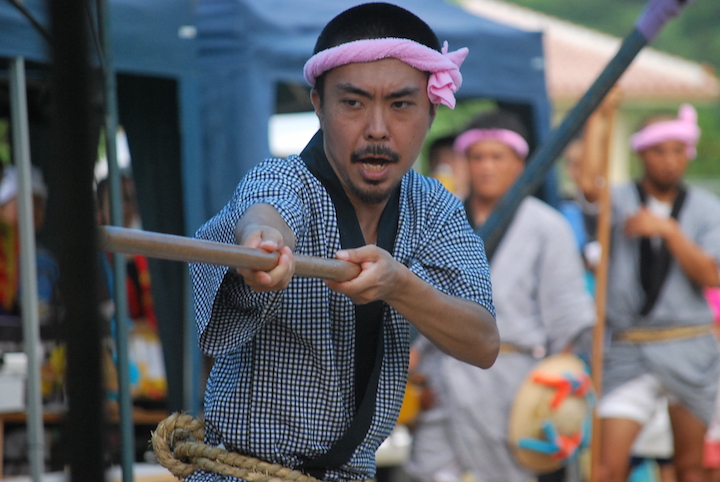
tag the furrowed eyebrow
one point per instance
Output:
(351, 89)
(403, 93)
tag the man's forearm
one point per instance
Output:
(700, 267)
(460, 327)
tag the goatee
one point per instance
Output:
(372, 197)
(663, 187)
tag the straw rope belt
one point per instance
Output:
(177, 443)
(650, 335)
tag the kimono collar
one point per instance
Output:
(350, 233)
(369, 338)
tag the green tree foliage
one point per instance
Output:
(693, 34)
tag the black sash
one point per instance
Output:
(369, 347)
(655, 262)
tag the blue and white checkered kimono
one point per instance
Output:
(282, 386)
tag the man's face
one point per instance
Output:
(9, 212)
(665, 164)
(375, 116)
(493, 167)
(573, 157)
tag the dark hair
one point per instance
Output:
(369, 21)
(499, 119)
(444, 142)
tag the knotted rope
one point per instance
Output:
(178, 445)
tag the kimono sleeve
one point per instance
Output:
(228, 312)
(452, 258)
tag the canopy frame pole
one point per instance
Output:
(122, 323)
(28, 267)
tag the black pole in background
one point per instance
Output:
(71, 176)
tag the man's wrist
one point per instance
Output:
(670, 229)
(402, 286)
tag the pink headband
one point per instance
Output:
(512, 139)
(684, 129)
(445, 78)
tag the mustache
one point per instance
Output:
(374, 151)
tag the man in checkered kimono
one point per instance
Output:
(308, 373)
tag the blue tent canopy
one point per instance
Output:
(248, 47)
(151, 39)
(148, 37)
(196, 108)
(154, 53)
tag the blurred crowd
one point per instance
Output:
(658, 411)
(147, 370)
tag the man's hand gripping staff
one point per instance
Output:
(381, 277)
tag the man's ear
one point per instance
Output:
(317, 103)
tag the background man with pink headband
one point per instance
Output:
(311, 374)
(665, 248)
(542, 308)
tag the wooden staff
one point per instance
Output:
(596, 152)
(189, 250)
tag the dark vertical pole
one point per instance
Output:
(28, 266)
(71, 176)
(122, 321)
